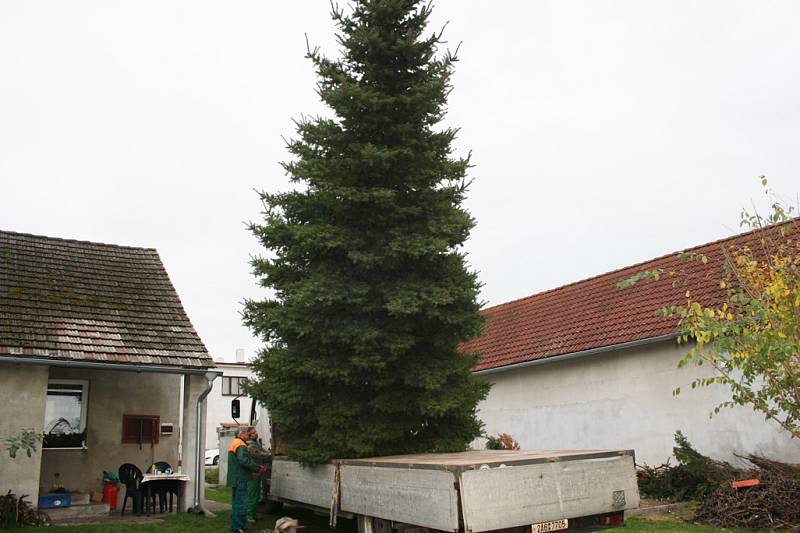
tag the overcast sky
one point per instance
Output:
(603, 132)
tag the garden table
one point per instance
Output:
(168, 482)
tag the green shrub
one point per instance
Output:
(212, 475)
(503, 441)
(694, 477)
(493, 443)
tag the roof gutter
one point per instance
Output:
(103, 366)
(577, 355)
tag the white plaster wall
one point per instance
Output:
(219, 407)
(623, 399)
(112, 394)
(22, 401)
(225, 440)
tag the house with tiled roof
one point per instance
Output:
(589, 365)
(98, 355)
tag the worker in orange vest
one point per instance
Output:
(240, 469)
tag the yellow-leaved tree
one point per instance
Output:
(752, 337)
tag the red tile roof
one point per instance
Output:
(77, 300)
(594, 313)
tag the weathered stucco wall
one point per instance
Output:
(623, 399)
(22, 402)
(112, 394)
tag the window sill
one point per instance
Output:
(70, 448)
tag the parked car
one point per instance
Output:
(212, 457)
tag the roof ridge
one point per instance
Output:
(76, 241)
(640, 263)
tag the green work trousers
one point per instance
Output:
(239, 503)
(253, 495)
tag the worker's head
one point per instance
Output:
(244, 432)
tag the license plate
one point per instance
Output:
(553, 525)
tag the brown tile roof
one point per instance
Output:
(76, 300)
(594, 313)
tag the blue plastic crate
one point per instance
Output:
(51, 501)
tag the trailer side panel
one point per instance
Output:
(520, 495)
(425, 498)
(309, 485)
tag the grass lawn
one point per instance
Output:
(319, 524)
(220, 523)
(671, 525)
(201, 524)
(221, 494)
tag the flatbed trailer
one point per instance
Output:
(467, 492)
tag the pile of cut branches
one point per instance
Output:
(774, 503)
(692, 478)
(17, 512)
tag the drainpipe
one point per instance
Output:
(198, 467)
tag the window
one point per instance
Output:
(232, 386)
(65, 413)
(140, 429)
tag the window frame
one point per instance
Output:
(84, 383)
(230, 380)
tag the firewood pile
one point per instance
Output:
(771, 502)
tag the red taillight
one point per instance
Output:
(616, 519)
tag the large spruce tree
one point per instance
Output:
(372, 294)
